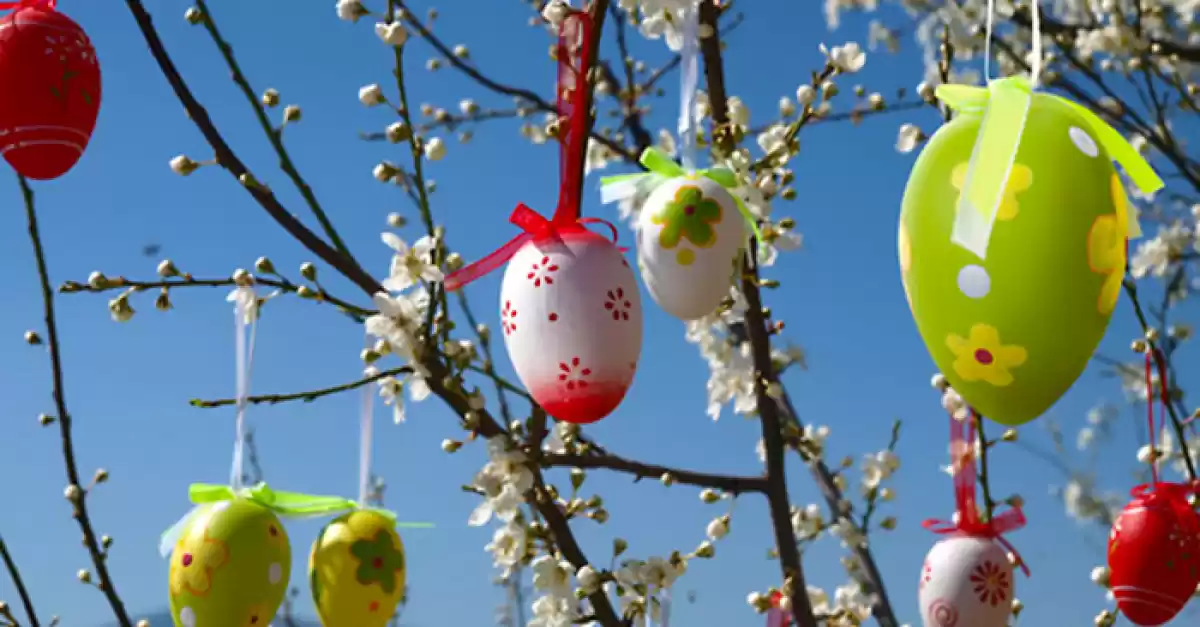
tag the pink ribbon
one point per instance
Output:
(962, 447)
(777, 617)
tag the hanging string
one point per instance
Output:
(246, 306)
(366, 416)
(1153, 358)
(689, 84)
(665, 604)
(574, 54)
(1035, 65)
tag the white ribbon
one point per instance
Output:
(689, 83)
(366, 415)
(1035, 66)
(665, 612)
(246, 306)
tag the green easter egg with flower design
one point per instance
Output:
(230, 566)
(1014, 331)
(357, 570)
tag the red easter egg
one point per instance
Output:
(1154, 554)
(51, 96)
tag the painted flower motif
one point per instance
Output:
(617, 305)
(1019, 180)
(379, 561)
(982, 357)
(691, 215)
(1106, 248)
(198, 556)
(541, 272)
(573, 374)
(943, 613)
(990, 583)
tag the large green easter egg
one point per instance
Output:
(357, 571)
(1013, 332)
(230, 567)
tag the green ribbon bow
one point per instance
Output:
(1005, 105)
(288, 504)
(661, 167)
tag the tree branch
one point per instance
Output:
(772, 427)
(76, 492)
(729, 483)
(307, 397)
(15, 575)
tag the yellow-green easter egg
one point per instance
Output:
(357, 571)
(1013, 332)
(689, 234)
(230, 567)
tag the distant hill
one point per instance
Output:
(162, 618)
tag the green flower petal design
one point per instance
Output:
(379, 561)
(690, 215)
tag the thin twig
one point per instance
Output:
(308, 396)
(74, 485)
(729, 483)
(14, 575)
(274, 135)
(120, 283)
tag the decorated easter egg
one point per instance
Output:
(966, 581)
(52, 83)
(357, 571)
(230, 566)
(689, 234)
(1013, 332)
(1154, 555)
(572, 320)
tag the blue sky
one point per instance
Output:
(128, 385)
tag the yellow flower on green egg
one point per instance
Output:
(1019, 180)
(1106, 248)
(982, 357)
(691, 216)
(199, 556)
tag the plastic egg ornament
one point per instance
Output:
(1013, 332)
(230, 566)
(689, 234)
(50, 71)
(1154, 556)
(572, 320)
(966, 581)
(357, 571)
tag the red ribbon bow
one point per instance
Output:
(777, 617)
(969, 523)
(574, 42)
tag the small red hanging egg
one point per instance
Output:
(1154, 554)
(51, 97)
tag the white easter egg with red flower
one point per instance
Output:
(572, 321)
(689, 234)
(966, 581)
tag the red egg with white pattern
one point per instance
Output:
(1154, 555)
(571, 315)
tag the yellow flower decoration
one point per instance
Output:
(1106, 248)
(982, 357)
(196, 557)
(1019, 180)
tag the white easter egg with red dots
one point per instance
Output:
(572, 321)
(966, 582)
(689, 234)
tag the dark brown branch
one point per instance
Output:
(772, 426)
(729, 483)
(14, 574)
(74, 484)
(230, 161)
(1052, 27)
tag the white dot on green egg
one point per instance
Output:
(187, 617)
(275, 573)
(974, 281)
(1083, 141)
